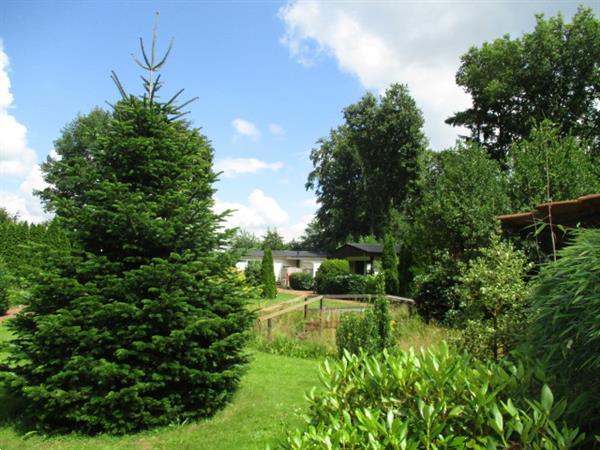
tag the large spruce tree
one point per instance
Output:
(142, 323)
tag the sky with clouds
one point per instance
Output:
(271, 77)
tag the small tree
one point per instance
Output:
(390, 265)
(492, 292)
(268, 275)
(273, 240)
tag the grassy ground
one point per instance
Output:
(269, 403)
(257, 303)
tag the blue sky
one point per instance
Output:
(272, 78)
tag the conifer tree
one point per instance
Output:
(390, 265)
(142, 322)
(268, 275)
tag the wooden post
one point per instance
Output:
(269, 327)
(320, 315)
(305, 307)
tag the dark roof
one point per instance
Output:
(356, 249)
(290, 254)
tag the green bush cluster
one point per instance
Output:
(330, 268)
(302, 281)
(293, 347)
(370, 333)
(432, 400)
(565, 325)
(350, 284)
(434, 288)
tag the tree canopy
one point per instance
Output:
(550, 73)
(367, 166)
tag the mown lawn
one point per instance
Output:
(269, 403)
(258, 303)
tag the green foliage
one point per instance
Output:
(541, 75)
(142, 323)
(350, 284)
(302, 281)
(329, 269)
(253, 274)
(371, 332)
(390, 265)
(273, 240)
(564, 329)
(367, 166)
(244, 240)
(546, 157)
(462, 192)
(431, 400)
(269, 283)
(4, 285)
(434, 288)
(491, 293)
(292, 347)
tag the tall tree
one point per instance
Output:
(142, 322)
(368, 165)
(550, 73)
(244, 240)
(268, 275)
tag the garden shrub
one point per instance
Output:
(491, 291)
(330, 268)
(565, 324)
(371, 332)
(293, 347)
(432, 400)
(142, 322)
(253, 274)
(434, 289)
(269, 283)
(4, 286)
(351, 284)
(301, 281)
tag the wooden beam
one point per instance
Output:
(291, 308)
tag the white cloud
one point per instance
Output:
(232, 167)
(416, 43)
(309, 202)
(17, 160)
(276, 129)
(245, 128)
(260, 213)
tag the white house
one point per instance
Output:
(286, 262)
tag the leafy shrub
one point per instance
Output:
(253, 274)
(491, 294)
(269, 283)
(330, 268)
(434, 289)
(371, 332)
(350, 284)
(4, 285)
(431, 400)
(565, 331)
(301, 281)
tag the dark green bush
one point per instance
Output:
(432, 400)
(4, 286)
(565, 325)
(302, 281)
(269, 282)
(330, 268)
(390, 262)
(434, 289)
(253, 274)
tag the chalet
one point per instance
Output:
(286, 262)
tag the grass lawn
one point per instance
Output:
(257, 303)
(269, 403)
